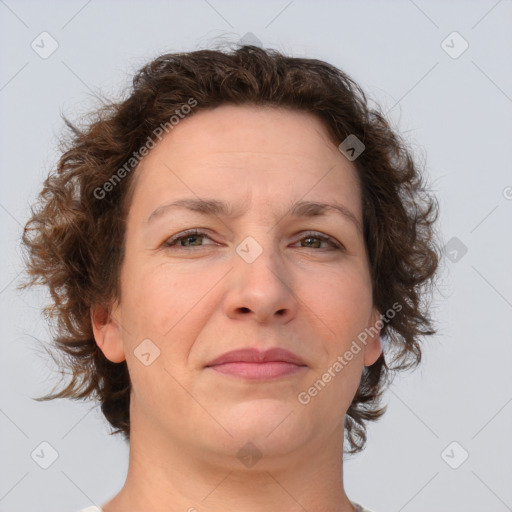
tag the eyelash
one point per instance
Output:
(195, 232)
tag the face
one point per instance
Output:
(261, 275)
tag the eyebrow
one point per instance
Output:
(215, 207)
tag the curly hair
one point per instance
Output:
(76, 207)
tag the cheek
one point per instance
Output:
(342, 300)
(162, 302)
(159, 305)
(341, 305)
(150, 294)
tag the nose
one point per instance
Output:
(260, 285)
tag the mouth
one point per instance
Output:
(253, 364)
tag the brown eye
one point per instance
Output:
(311, 237)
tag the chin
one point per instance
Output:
(273, 426)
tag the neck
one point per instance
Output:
(164, 476)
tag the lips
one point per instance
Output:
(253, 364)
(252, 355)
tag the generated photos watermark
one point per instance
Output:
(304, 397)
(137, 156)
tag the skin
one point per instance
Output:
(198, 301)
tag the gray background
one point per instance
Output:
(457, 114)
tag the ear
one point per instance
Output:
(373, 348)
(107, 332)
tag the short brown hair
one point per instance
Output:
(74, 240)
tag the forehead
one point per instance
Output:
(253, 128)
(275, 154)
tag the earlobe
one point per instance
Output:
(373, 347)
(107, 333)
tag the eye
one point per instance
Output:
(191, 234)
(323, 238)
(181, 240)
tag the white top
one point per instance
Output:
(359, 508)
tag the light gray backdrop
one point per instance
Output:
(445, 442)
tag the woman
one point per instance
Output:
(227, 251)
